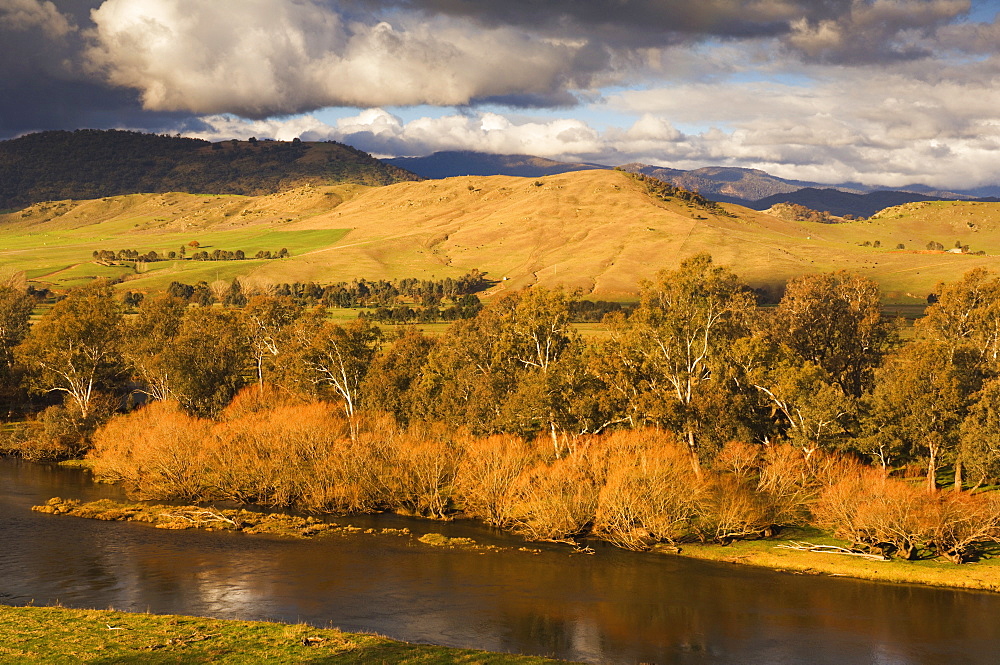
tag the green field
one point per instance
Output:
(59, 635)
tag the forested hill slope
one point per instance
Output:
(89, 163)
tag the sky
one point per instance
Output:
(881, 92)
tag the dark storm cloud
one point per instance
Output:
(867, 28)
(625, 22)
(41, 83)
(68, 62)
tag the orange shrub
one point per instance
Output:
(157, 451)
(650, 490)
(959, 523)
(486, 478)
(872, 510)
(555, 501)
(424, 460)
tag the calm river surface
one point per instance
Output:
(613, 607)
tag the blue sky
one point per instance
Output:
(885, 92)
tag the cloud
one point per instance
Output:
(943, 134)
(893, 129)
(29, 14)
(884, 90)
(258, 58)
(382, 133)
(867, 31)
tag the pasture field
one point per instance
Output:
(599, 232)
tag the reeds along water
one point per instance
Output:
(634, 488)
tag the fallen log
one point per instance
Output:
(831, 549)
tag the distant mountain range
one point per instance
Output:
(452, 163)
(752, 188)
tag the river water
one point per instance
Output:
(611, 607)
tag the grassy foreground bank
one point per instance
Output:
(59, 635)
(983, 575)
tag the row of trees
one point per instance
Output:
(358, 293)
(204, 255)
(666, 191)
(822, 370)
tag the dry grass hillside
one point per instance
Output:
(600, 231)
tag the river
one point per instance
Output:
(610, 607)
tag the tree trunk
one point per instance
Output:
(932, 470)
(693, 450)
(958, 475)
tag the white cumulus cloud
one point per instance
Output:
(258, 58)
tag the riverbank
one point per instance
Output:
(55, 634)
(773, 553)
(983, 575)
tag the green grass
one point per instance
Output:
(59, 635)
(983, 575)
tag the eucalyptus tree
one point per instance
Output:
(395, 373)
(266, 324)
(672, 349)
(207, 361)
(148, 343)
(324, 359)
(919, 399)
(966, 314)
(834, 321)
(505, 369)
(15, 313)
(979, 436)
(75, 348)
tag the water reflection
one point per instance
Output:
(612, 607)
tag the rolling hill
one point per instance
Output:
(599, 231)
(92, 163)
(749, 187)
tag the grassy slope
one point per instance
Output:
(595, 230)
(981, 575)
(57, 635)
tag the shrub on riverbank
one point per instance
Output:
(634, 488)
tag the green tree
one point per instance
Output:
(498, 371)
(76, 348)
(15, 313)
(834, 320)
(918, 402)
(979, 438)
(207, 361)
(672, 348)
(394, 375)
(149, 341)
